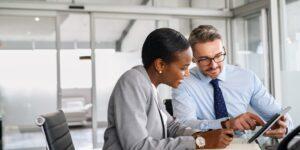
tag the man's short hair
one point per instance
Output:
(203, 34)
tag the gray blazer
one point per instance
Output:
(134, 121)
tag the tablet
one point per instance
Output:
(269, 124)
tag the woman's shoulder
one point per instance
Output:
(136, 76)
(134, 73)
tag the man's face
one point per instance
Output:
(203, 54)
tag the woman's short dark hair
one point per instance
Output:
(163, 43)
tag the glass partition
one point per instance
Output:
(76, 76)
(248, 45)
(28, 78)
(290, 59)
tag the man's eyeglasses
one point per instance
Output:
(207, 60)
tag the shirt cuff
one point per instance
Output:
(216, 124)
(188, 142)
(189, 131)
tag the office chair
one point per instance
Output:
(1, 133)
(283, 145)
(56, 131)
(168, 105)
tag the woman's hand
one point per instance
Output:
(219, 138)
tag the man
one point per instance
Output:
(217, 95)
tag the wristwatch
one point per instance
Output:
(200, 142)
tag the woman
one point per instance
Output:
(136, 116)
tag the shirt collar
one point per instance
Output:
(207, 79)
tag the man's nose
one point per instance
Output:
(213, 64)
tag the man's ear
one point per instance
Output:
(159, 65)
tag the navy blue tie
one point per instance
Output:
(219, 103)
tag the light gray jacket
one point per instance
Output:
(134, 121)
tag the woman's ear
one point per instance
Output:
(159, 65)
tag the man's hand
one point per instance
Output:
(278, 130)
(219, 138)
(243, 122)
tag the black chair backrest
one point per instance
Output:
(283, 145)
(1, 133)
(169, 107)
(56, 130)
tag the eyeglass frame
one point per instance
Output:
(211, 59)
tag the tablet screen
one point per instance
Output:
(269, 124)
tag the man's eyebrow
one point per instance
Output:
(219, 53)
(210, 57)
(201, 57)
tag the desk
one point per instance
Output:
(241, 144)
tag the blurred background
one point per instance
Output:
(68, 54)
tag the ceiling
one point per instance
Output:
(74, 27)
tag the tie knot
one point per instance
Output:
(215, 82)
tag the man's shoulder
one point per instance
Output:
(189, 82)
(194, 73)
(194, 76)
(235, 69)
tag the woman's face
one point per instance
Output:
(176, 70)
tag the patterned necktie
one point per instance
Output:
(219, 103)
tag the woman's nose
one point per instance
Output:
(187, 73)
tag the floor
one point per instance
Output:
(81, 136)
